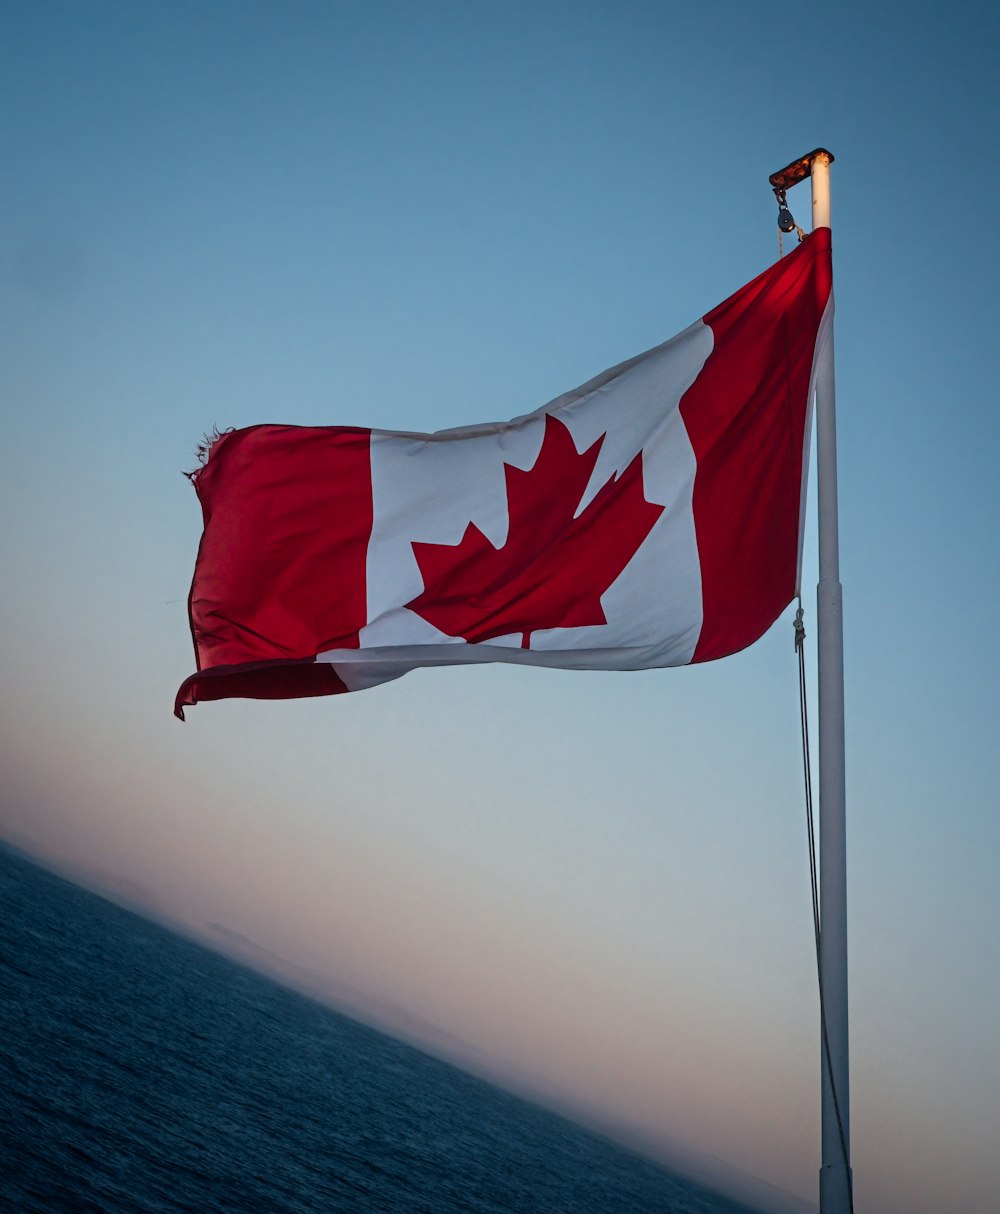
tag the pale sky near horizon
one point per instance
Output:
(592, 888)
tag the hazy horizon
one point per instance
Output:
(430, 1039)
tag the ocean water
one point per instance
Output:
(141, 1072)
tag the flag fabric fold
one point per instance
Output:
(650, 518)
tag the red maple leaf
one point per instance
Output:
(553, 568)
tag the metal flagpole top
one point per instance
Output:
(816, 165)
(799, 169)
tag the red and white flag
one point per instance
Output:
(652, 517)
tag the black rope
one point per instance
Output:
(800, 637)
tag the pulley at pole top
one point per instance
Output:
(783, 180)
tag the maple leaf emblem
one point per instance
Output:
(553, 568)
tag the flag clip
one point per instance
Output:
(800, 630)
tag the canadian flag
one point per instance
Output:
(653, 517)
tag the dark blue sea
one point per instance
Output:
(141, 1072)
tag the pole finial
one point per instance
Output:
(798, 170)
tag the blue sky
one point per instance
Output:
(590, 887)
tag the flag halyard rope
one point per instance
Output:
(800, 637)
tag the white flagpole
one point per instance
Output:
(835, 1188)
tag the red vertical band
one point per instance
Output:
(280, 574)
(746, 416)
